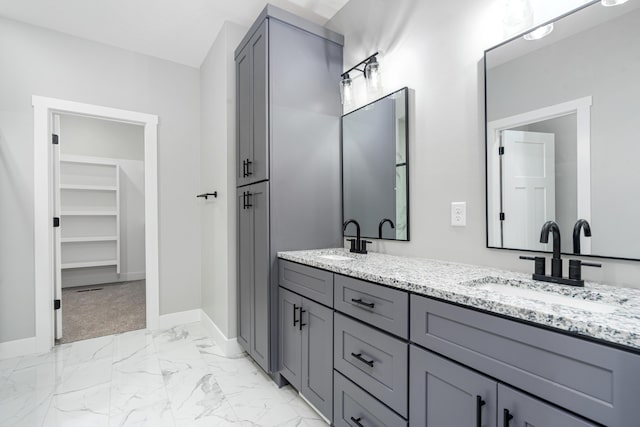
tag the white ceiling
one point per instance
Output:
(177, 30)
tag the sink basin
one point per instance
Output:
(333, 257)
(592, 306)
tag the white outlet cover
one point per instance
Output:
(459, 214)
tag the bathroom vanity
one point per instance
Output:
(380, 340)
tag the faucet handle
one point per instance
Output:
(575, 268)
(353, 245)
(540, 264)
(363, 246)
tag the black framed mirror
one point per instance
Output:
(562, 133)
(375, 167)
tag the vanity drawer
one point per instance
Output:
(351, 402)
(375, 304)
(594, 380)
(372, 359)
(309, 282)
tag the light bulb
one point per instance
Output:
(373, 76)
(539, 33)
(609, 3)
(346, 92)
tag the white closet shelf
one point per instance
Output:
(89, 239)
(89, 213)
(89, 264)
(88, 187)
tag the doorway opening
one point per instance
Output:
(96, 220)
(98, 192)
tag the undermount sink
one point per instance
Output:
(592, 306)
(334, 257)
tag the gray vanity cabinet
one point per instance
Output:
(253, 271)
(252, 108)
(306, 333)
(288, 153)
(290, 337)
(516, 409)
(443, 393)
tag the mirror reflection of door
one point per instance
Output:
(528, 187)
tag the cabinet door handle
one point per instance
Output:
(249, 163)
(247, 203)
(295, 308)
(506, 417)
(302, 324)
(360, 302)
(244, 200)
(479, 404)
(362, 359)
(357, 422)
(244, 168)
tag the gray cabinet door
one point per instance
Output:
(245, 271)
(251, 92)
(443, 393)
(317, 356)
(516, 409)
(258, 205)
(244, 112)
(290, 338)
(258, 169)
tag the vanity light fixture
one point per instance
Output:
(609, 3)
(371, 72)
(539, 32)
(346, 91)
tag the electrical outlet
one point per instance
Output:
(459, 214)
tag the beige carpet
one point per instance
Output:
(99, 310)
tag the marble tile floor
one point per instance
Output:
(175, 377)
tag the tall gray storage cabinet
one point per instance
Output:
(288, 162)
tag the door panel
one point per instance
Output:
(245, 271)
(244, 111)
(528, 187)
(259, 167)
(317, 356)
(443, 393)
(258, 197)
(290, 305)
(530, 412)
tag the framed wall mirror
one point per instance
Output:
(375, 167)
(562, 141)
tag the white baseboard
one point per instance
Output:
(16, 348)
(99, 278)
(229, 346)
(170, 320)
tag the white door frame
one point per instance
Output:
(582, 108)
(43, 109)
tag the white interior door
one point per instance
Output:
(528, 187)
(57, 292)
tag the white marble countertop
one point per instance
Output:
(465, 284)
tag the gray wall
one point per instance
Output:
(436, 48)
(616, 94)
(217, 172)
(42, 62)
(86, 136)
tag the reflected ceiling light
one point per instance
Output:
(346, 92)
(539, 32)
(609, 3)
(371, 71)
